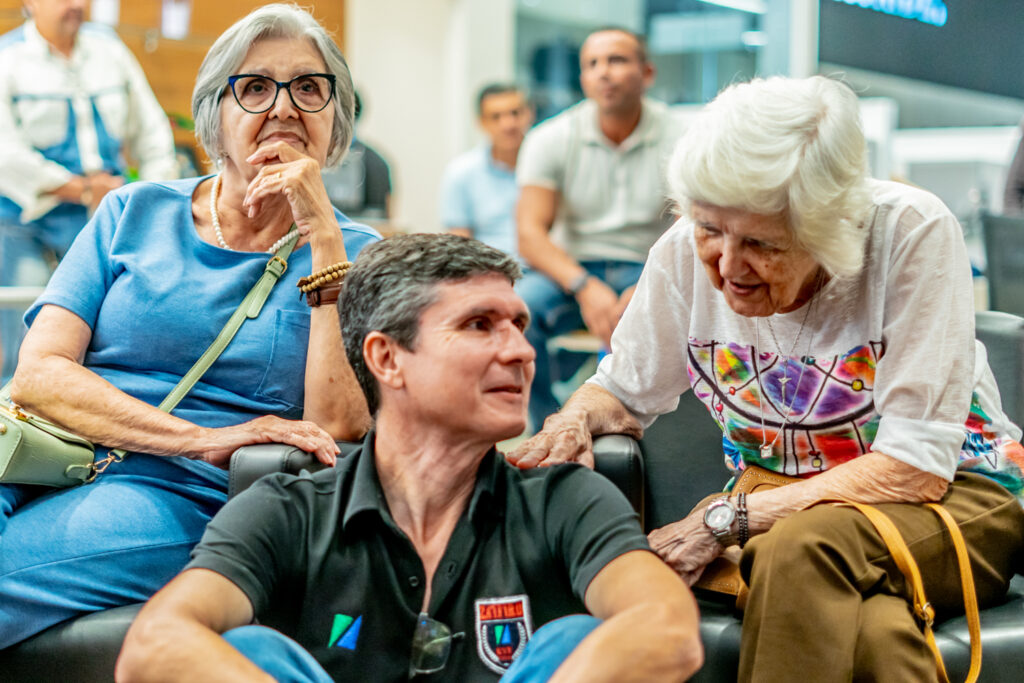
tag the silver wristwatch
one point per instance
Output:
(718, 518)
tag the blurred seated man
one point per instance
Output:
(425, 551)
(592, 201)
(361, 186)
(479, 191)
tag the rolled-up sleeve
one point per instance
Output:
(924, 380)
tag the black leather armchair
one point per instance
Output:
(677, 463)
(682, 461)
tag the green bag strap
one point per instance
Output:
(250, 307)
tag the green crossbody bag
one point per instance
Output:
(36, 451)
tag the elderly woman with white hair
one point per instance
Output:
(146, 288)
(826, 321)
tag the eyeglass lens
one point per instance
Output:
(257, 94)
(431, 644)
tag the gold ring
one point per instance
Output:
(277, 176)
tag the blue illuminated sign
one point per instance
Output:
(932, 12)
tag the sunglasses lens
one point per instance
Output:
(431, 644)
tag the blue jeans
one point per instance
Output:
(25, 252)
(554, 312)
(288, 662)
(64, 552)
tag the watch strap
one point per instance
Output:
(578, 283)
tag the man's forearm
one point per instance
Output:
(546, 257)
(650, 642)
(182, 650)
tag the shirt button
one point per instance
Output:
(414, 581)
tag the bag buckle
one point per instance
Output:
(100, 466)
(283, 267)
(18, 412)
(925, 613)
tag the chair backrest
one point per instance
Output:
(1004, 253)
(1003, 336)
(683, 461)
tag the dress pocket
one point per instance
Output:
(284, 381)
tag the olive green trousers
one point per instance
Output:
(827, 603)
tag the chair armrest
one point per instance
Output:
(249, 463)
(618, 457)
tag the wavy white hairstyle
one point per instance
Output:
(228, 52)
(791, 146)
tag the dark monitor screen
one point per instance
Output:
(979, 44)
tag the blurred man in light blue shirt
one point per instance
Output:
(479, 191)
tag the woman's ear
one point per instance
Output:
(380, 353)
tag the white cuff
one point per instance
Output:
(927, 445)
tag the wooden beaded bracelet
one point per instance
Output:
(340, 267)
(323, 280)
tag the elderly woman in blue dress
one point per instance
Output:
(144, 290)
(826, 321)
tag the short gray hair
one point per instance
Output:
(395, 280)
(790, 146)
(228, 52)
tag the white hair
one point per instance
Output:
(790, 146)
(229, 51)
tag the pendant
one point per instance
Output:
(766, 451)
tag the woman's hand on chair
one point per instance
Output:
(565, 438)
(217, 445)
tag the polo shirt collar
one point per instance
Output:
(366, 494)
(646, 131)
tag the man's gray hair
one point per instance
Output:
(228, 52)
(395, 280)
(789, 146)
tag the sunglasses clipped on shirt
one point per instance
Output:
(431, 646)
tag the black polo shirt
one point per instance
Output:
(322, 560)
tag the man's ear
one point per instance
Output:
(649, 73)
(380, 353)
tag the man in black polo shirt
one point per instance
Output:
(425, 553)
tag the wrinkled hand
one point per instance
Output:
(100, 184)
(287, 172)
(218, 444)
(599, 308)
(687, 546)
(565, 438)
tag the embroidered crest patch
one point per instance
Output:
(503, 627)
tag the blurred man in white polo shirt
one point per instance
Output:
(592, 200)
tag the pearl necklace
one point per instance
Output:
(215, 219)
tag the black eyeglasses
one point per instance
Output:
(431, 645)
(257, 94)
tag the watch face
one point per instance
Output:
(719, 516)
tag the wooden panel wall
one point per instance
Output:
(171, 65)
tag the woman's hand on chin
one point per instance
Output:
(687, 546)
(286, 172)
(216, 445)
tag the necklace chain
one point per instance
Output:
(768, 448)
(215, 219)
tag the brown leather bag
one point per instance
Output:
(721, 579)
